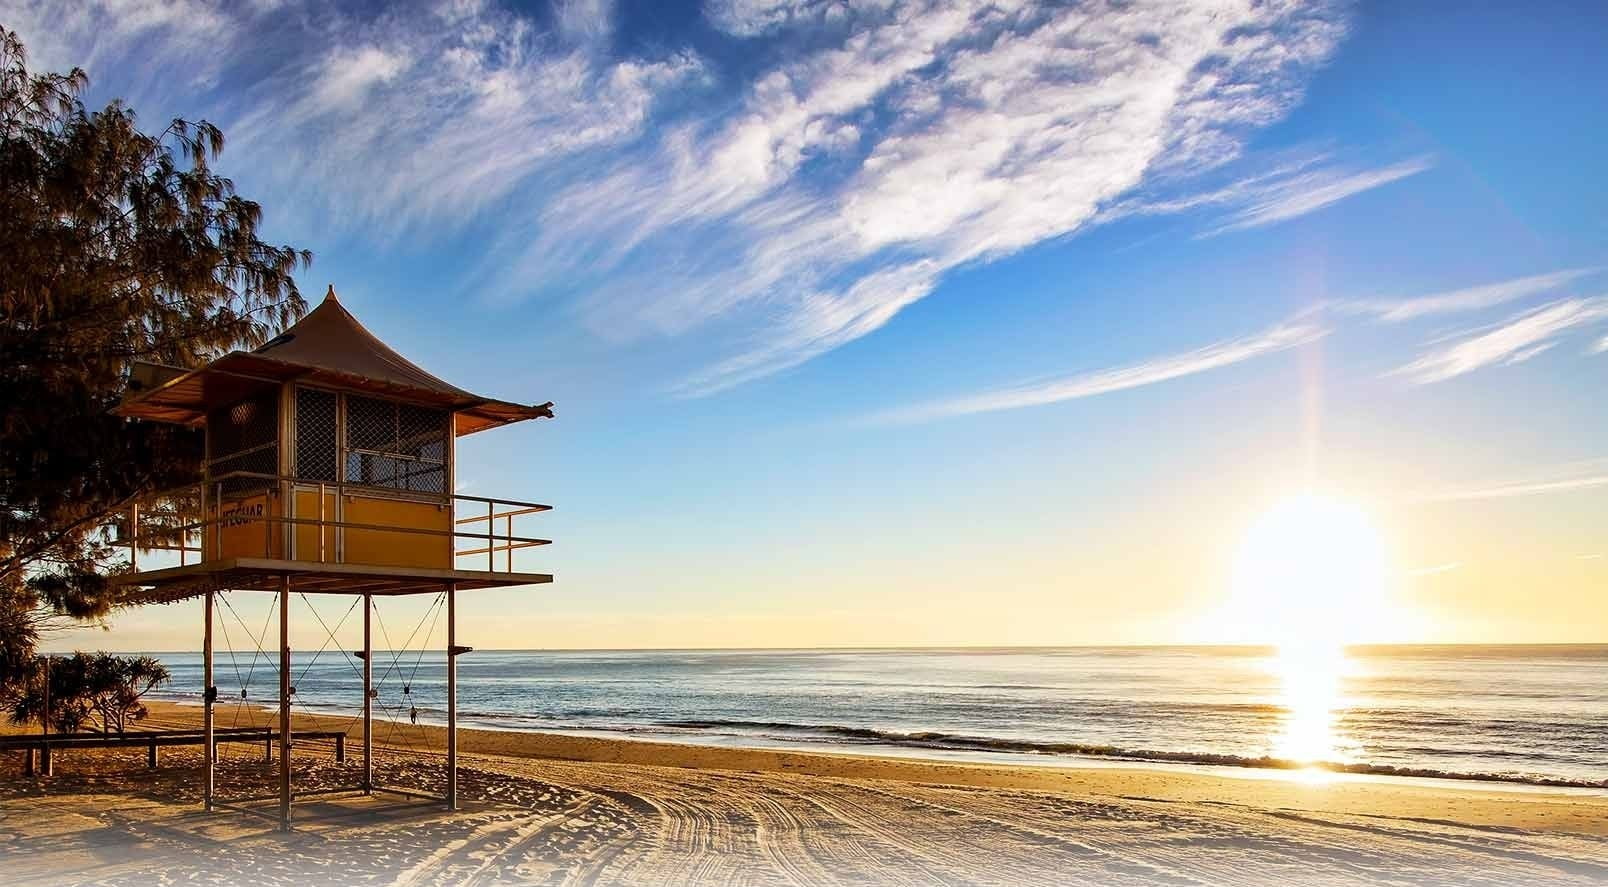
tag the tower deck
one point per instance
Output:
(264, 574)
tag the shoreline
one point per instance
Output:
(1505, 805)
(981, 751)
(569, 810)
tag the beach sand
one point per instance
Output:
(553, 809)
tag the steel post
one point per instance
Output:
(284, 702)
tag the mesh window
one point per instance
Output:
(245, 437)
(316, 457)
(397, 446)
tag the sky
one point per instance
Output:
(884, 323)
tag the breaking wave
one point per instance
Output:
(954, 742)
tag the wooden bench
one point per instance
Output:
(151, 740)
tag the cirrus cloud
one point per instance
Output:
(784, 211)
(1515, 341)
(1091, 384)
(921, 137)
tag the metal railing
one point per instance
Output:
(192, 520)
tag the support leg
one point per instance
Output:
(368, 696)
(452, 696)
(209, 747)
(284, 702)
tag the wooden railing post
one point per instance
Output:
(201, 494)
(320, 523)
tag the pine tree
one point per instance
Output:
(115, 246)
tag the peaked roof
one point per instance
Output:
(330, 338)
(327, 347)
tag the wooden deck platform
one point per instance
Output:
(254, 573)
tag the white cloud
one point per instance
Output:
(379, 119)
(1525, 354)
(445, 114)
(888, 143)
(347, 76)
(753, 18)
(92, 34)
(1286, 186)
(925, 136)
(1601, 347)
(1512, 342)
(1508, 491)
(585, 21)
(1149, 372)
(1283, 199)
(1471, 298)
(1583, 474)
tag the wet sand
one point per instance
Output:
(553, 809)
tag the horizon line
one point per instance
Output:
(938, 647)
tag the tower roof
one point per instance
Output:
(328, 347)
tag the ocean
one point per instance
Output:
(1522, 714)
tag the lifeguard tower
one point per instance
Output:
(329, 469)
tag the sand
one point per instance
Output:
(546, 809)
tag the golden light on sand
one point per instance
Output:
(1311, 577)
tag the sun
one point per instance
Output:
(1310, 574)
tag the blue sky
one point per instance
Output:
(904, 323)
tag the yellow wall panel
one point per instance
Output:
(306, 509)
(242, 530)
(392, 548)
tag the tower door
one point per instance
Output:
(315, 535)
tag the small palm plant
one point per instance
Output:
(94, 691)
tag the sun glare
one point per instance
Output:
(1310, 578)
(1310, 574)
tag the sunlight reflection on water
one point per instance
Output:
(1312, 680)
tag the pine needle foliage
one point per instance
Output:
(116, 246)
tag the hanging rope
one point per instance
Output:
(410, 706)
(251, 670)
(234, 664)
(413, 710)
(329, 638)
(396, 655)
(396, 712)
(423, 645)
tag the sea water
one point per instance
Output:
(1530, 714)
